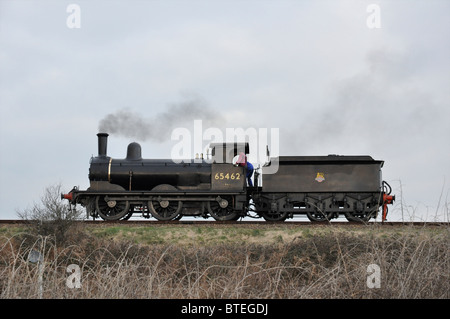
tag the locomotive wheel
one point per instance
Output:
(129, 214)
(164, 209)
(111, 209)
(275, 216)
(222, 209)
(318, 216)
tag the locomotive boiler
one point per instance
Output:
(320, 187)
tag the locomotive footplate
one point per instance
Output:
(79, 195)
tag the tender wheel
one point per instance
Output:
(222, 209)
(164, 209)
(360, 217)
(275, 216)
(111, 209)
(318, 216)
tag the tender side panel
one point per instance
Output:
(323, 174)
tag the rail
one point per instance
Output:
(204, 222)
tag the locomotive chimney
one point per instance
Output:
(102, 144)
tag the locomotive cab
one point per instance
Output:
(224, 175)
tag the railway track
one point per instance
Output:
(254, 223)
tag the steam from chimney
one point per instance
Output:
(159, 127)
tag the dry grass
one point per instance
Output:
(330, 264)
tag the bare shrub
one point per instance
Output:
(51, 216)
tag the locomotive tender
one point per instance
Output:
(322, 187)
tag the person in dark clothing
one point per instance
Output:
(242, 161)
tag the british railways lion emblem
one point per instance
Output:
(320, 177)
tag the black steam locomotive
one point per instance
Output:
(320, 187)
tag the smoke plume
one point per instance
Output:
(376, 106)
(158, 128)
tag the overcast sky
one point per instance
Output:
(322, 72)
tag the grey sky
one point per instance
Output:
(311, 68)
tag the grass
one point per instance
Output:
(209, 235)
(263, 234)
(230, 262)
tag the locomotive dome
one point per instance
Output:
(134, 152)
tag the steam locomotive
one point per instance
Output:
(320, 187)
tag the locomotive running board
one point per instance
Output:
(143, 196)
